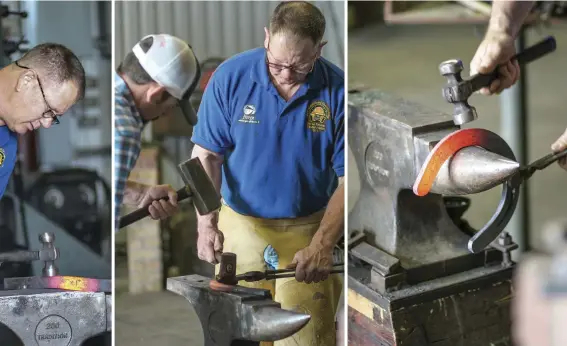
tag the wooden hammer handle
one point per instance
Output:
(141, 213)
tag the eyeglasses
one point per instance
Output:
(298, 70)
(49, 113)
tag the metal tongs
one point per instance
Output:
(538, 165)
(508, 202)
(277, 274)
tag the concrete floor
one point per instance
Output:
(158, 318)
(403, 61)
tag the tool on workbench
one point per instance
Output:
(412, 277)
(236, 316)
(198, 186)
(457, 91)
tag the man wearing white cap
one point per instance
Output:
(156, 77)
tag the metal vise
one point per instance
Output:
(414, 267)
(55, 318)
(237, 316)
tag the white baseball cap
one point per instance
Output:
(172, 64)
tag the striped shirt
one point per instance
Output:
(128, 126)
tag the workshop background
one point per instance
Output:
(398, 46)
(148, 251)
(62, 177)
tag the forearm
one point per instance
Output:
(212, 163)
(133, 192)
(508, 16)
(331, 228)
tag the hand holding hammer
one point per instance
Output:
(457, 91)
(198, 187)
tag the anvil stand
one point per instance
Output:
(412, 281)
(52, 317)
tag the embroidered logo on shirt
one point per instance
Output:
(2, 157)
(249, 116)
(318, 113)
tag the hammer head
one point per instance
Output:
(227, 269)
(457, 92)
(48, 254)
(203, 192)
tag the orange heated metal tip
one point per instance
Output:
(217, 286)
(446, 148)
(73, 283)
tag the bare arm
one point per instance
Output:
(212, 163)
(331, 228)
(508, 16)
(133, 192)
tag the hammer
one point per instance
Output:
(457, 91)
(48, 254)
(198, 186)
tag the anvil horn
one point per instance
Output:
(473, 170)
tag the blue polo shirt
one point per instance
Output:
(8, 150)
(281, 159)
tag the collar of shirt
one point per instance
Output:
(121, 89)
(259, 74)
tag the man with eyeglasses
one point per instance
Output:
(271, 137)
(36, 90)
(153, 80)
(497, 48)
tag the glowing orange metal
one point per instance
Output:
(73, 283)
(217, 286)
(446, 148)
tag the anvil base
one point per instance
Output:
(471, 308)
(55, 318)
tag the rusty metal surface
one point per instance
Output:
(55, 318)
(236, 317)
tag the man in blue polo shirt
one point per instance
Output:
(270, 135)
(36, 90)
